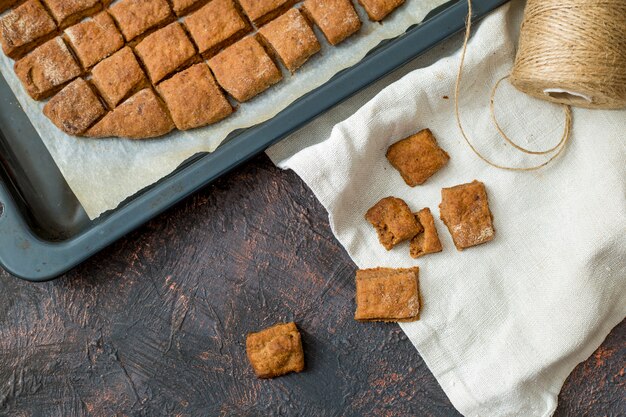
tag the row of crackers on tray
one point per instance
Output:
(181, 70)
(387, 294)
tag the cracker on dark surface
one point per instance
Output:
(464, 210)
(393, 220)
(417, 157)
(386, 294)
(275, 351)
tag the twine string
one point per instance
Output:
(566, 108)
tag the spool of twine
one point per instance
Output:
(571, 52)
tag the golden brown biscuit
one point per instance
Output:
(465, 211)
(262, 11)
(428, 240)
(47, 69)
(275, 351)
(165, 51)
(386, 294)
(377, 10)
(68, 12)
(417, 157)
(393, 220)
(142, 116)
(194, 99)
(136, 17)
(244, 69)
(74, 108)
(291, 39)
(118, 77)
(183, 7)
(337, 19)
(216, 25)
(25, 27)
(94, 39)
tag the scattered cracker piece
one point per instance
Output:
(47, 69)
(194, 98)
(74, 108)
(68, 12)
(165, 51)
(386, 294)
(262, 11)
(118, 77)
(393, 220)
(244, 69)
(337, 19)
(417, 157)
(291, 39)
(25, 27)
(427, 241)
(142, 116)
(216, 25)
(94, 39)
(465, 211)
(275, 351)
(183, 7)
(377, 10)
(136, 17)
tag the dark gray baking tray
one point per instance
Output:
(43, 228)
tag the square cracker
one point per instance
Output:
(386, 294)
(118, 76)
(275, 351)
(393, 220)
(337, 19)
(194, 98)
(417, 157)
(464, 209)
(165, 51)
(427, 241)
(68, 12)
(94, 39)
(136, 17)
(47, 69)
(216, 25)
(377, 10)
(244, 69)
(262, 11)
(75, 108)
(291, 39)
(25, 27)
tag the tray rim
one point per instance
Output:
(27, 256)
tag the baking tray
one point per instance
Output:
(43, 229)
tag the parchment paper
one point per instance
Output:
(104, 172)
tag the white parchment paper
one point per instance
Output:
(104, 172)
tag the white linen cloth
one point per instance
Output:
(504, 323)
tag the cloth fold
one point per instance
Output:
(503, 324)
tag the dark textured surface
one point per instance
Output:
(156, 324)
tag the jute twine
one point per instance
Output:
(571, 52)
